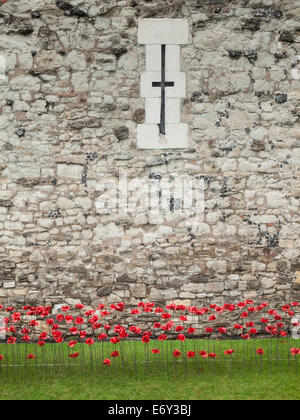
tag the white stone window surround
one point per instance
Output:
(163, 31)
(154, 33)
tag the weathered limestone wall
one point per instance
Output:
(69, 108)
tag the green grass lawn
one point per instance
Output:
(243, 376)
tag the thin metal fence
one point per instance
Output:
(148, 339)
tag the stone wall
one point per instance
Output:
(69, 108)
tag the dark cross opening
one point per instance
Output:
(163, 84)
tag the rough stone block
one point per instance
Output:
(70, 171)
(9, 284)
